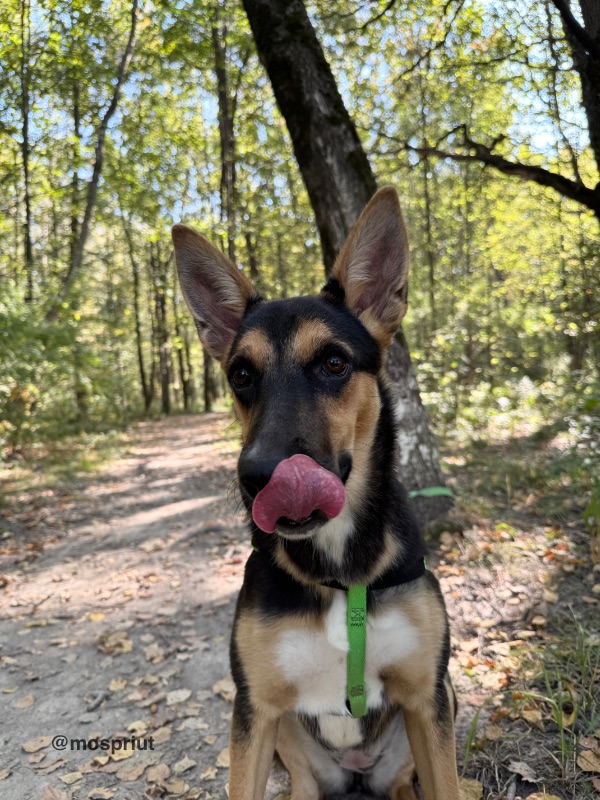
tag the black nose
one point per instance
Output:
(254, 472)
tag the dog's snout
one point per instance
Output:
(254, 471)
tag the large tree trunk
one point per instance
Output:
(582, 41)
(339, 181)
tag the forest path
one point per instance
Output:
(117, 600)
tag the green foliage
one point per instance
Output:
(504, 287)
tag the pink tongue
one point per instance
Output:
(298, 486)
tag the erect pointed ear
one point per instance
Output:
(372, 267)
(215, 290)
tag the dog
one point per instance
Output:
(337, 554)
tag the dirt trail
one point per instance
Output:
(122, 603)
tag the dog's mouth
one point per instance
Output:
(292, 527)
(300, 495)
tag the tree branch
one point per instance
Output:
(92, 189)
(578, 31)
(590, 198)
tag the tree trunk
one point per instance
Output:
(24, 76)
(92, 189)
(587, 66)
(226, 107)
(339, 181)
(162, 333)
(419, 460)
(252, 257)
(210, 381)
(147, 388)
(185, 375)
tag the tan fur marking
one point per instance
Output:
(309, 338)
(251, 758)
(257, 641)
(256, 347)
(289, 748)
(411, 684)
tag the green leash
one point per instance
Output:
(357, 639)
(356, 621)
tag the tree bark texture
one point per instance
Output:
(586, 61)
(339, 181)
(335, 168)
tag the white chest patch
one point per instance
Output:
(315, 662)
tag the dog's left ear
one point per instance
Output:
(216, 291)
(372, 267)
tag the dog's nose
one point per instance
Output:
(254, 471)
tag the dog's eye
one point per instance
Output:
(241, 377)
(335, 364)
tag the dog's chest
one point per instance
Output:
(315, 662)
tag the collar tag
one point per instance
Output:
(356, 621)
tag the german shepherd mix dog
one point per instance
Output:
(317, 476)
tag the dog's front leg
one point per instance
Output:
(251, 749)
(430, 729)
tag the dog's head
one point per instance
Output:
(304, 372)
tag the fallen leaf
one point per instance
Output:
(225, 688)
(36, 758)
(138, 727)
(533, 716)
(4, 774)
(122, 755)
(52, 793)
(51, 766)
(177, 786)
(178, 696)
(154, 653)
(208, 774)
(96, 616)
(162, 735)
(539, 621)
(101, 794)
(115, 643)
(184, 765)
(550, 596)
(210, 739)
(131, 772)
(590, 743)
(470, 789)
(542, 796)
(193, 724)
(33, 745)
(596, 588)
(71, 777)
(493, 732)
(524, 770)
(596, 784)
(158, 774)
(10, 689)
(24, 702)
(589, 761)
(117, 685)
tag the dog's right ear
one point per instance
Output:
(216, 291)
